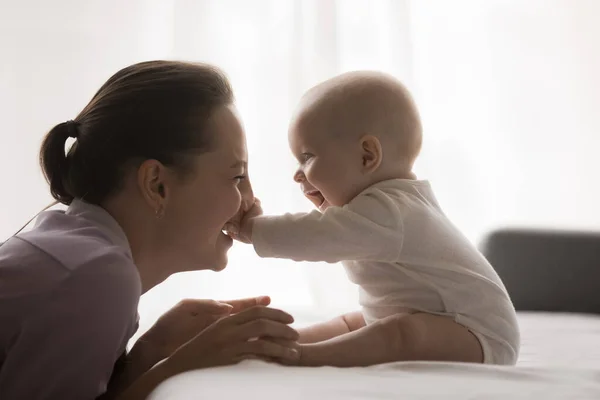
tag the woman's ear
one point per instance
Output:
(372, 153)
(151, 179)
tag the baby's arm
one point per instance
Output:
(327, 330)
(396, 338)
(370, 227)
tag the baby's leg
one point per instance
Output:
(430, 337)
(333, 328)
(402, 337)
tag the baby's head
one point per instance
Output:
(351, 132)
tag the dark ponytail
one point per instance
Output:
(55, 163)
(156, 110)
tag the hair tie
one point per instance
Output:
(72, 128)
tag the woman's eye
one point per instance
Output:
(239, 178)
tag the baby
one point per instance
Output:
(426, 292)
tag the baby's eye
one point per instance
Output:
(304, 157)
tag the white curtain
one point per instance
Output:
(507, 90)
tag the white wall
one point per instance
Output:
(510, 92)
(53, 56)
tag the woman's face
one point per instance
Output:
(202, 203)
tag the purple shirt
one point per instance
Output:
(69, 292)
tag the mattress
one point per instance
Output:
(559, 339)
(560, 359)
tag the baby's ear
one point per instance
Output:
(372, 154)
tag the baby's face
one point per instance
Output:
(329, 169)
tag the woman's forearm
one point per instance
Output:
(145, 384)
(134, 365)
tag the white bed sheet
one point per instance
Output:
(563, 340)
(560, 359)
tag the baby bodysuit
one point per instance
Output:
(405, 255)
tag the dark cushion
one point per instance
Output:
(547, 270)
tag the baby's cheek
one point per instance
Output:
(312, 174)
(322, 177)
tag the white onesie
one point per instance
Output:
(405, 255)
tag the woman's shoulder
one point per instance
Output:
(68, 282)
(69, 270)
(75, 241)
(62, 247)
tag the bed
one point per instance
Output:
(553, 278)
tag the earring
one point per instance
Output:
(160, 212)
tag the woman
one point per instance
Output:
(158, 167)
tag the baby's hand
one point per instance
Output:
(242, 229)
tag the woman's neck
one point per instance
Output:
(140, 228)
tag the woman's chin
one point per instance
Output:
(222, 246)
(224, 242)
(216, 262)
(219, 266)
(213, 256)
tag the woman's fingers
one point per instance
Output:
(264, 327)
(267, 349)
(256, 332)
(282, 342)
(243, 304)
(260, 312)
(195, 307)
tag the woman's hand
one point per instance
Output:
(258, 332)
(187, 319)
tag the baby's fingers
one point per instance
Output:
(254, 210)
(232, 228)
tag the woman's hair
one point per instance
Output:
(151, 110)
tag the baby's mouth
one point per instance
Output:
(315, 197)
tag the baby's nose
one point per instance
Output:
(299, 176)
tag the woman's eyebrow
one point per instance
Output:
(239, 164)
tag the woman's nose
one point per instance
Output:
(299, 176)
(245, 188)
